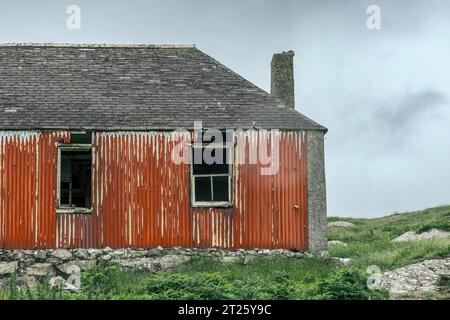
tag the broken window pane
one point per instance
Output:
(75, 178)
(220, 188)
(203, 189)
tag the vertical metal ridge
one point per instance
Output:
(140, 198)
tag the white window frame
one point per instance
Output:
(228, 148)
(76, 147)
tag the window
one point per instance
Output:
(211, 174)
(74, 177)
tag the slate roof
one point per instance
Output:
(122, 87)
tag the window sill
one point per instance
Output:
(74, 210)
(215, 204)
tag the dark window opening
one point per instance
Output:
(203, 189)
(218, 164)
(81, 137)
(75, 179)
(220, 188)
(211, 178)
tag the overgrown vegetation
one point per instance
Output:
(444, 283)
(347, 284)
(42, 291)
(368, 243)
(214, 286)
(114, 283)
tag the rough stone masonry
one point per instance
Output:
(317, 202)
(33, 265)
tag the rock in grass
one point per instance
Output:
(171, 261)
(62, 254)
(341, 262)
(418, 277)
(40, 270)
(407, 236)
(8, 267)
(57, 282)
(145, 264)
(230, 259)
(337, 243)
(430, 234)
(340, 224)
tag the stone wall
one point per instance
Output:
(59, 265)
(282, 78)
(317, 202)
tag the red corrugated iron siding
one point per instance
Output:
(142, 199)
(18, 166)
(45, 233)
(27, 189)
(263, 215)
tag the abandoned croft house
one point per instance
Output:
(86, 140)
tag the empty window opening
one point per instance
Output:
(75, 178)
(211, 174)
(80, 137)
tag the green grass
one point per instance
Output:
(368, 243)
(298, 269)
(206, 279)
(304, 272)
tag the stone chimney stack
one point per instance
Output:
(282, 77)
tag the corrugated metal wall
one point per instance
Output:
(27, 188)
(142, 199)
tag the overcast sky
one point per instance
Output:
(383, 94)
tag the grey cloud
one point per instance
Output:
(410, 110)
(388, 126)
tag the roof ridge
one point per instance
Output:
(97, 45)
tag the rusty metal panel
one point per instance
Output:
(74, 231)
(27, 189)
(3, 138)
(269, 211)
(213, 227)
(141, 198)
(45, 235)
(17, 188)
(290, 193)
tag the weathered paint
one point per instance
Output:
(27, 188)
(142, 199)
